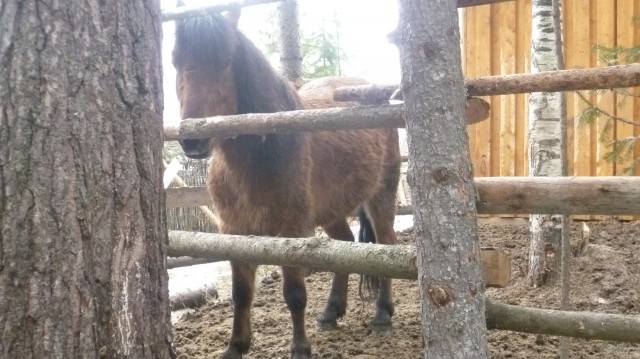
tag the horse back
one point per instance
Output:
(349, 168)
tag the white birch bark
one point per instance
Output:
(547, 139)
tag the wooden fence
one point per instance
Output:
(497, 40)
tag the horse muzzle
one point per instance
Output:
(196, 149)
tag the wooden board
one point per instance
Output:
(625, 37)
(497, 40)
(496, 267)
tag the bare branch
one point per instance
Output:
(605, 113)
(186, 262)
(345, 118)
(185, 12)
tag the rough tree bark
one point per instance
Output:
(290, 53)
(547, 142)
(83, 237)
(441, 180)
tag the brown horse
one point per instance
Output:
(281, 184)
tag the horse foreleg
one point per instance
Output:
(381, 213)
(295, 295)
(243, 285)
(337, 302)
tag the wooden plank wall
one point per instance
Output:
(496, 41)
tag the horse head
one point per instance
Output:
(203, 56)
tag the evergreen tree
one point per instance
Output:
(320, 46)
(621, 149)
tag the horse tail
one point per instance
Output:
(369, 285)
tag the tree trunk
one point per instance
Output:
(442, 191)
(547, 142)
(290, 53)
(83, 237)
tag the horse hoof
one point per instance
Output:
(301, 351)
(326, 325)
(231, 354)
(382, 330)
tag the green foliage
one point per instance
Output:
(617, 54)
(319, 45)
(173, 150)
(620, 149)
(321, 51)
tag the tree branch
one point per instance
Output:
(192, 298)
(185, 12)
(344, 118)
(327, 255)
(186, 262)
(605, 113)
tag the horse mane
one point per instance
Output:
(206, 39)
(260, 88)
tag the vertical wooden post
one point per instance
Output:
(290, 53)
(441, 178)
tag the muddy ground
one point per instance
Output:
(606, 279)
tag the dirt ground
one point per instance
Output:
(606, 279)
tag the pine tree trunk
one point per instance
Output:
(547, 142)
(290, 53)
(441, 180)
(83, 237)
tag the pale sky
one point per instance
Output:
(364, 27)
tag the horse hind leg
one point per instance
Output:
(243, 285)
(337, 302)
(295, 295)
(380, 211)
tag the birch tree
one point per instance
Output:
(82, 220)
(441, 179)
(547, 139)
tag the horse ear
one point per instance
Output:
(233, 16)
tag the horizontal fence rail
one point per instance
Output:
(398, 261)
(185, 12)
(549, 81)
(392, 116)
(611, 195)
(331, 119)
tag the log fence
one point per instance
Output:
(397, 261)
(566, 195)
(614, 195)
(392, 116)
